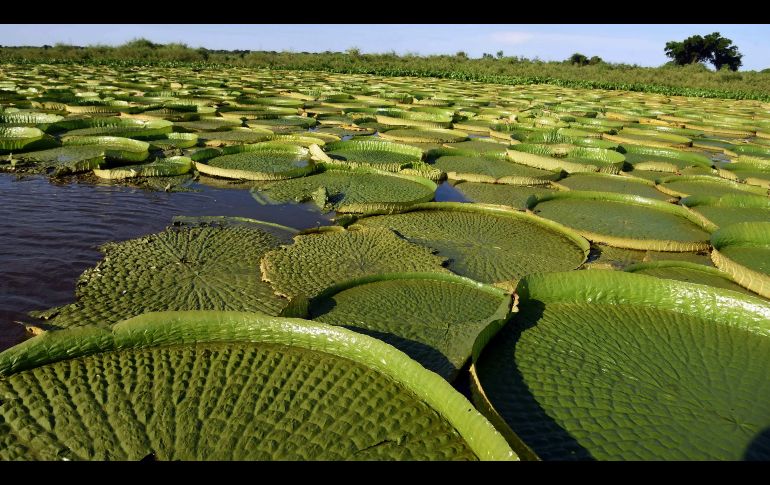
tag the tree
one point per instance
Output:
(500, 54)
(595, 60)
(712, 48)
(578, 58)
(461, 55)
(486, 55)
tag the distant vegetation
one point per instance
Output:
(577, 71)
(712, 48)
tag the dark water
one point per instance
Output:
(49, 233)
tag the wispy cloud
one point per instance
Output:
(512, 38)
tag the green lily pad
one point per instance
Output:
(601, 364)
(621, 184)
(487, 243)
(689, 273)
(189, 268)
(260, 161)
(492, 170)
(416, 135)
(434, 318)
(230, 386)
(374, 153)
(515, 196)
(729, 209)
(164, 167)
(742, 250)
(685, 185)
(626, 221)
(317, 261)
(351, 190)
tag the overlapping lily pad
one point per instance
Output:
(188, 268)
(486, 243)
(230, 386)
(729, 209)
(742, 250)
(260, 161)
(626, 221)
(319, 260)
(599, 365)
(350, 190)
(686, 185)
(434, 318)
(689, 273)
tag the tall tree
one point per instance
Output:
(712, 48)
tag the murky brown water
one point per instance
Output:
(49, 233)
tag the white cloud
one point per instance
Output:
(512, 37)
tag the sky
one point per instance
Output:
(632, 44)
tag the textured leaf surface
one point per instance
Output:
(689, 273)
(432, 318)
(485, 169)
(229, 386)
(317, 261)
(624, 221)
(730, 209)
(192, 268)
(610, 365)
(502, 194)
(487, 245)
(343, 188)
(743, 251)
(613, 183)
(683, 186)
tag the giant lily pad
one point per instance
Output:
(351, 190)
(515, 196)
(688, 272)
(626, 221)
(617, 366)
(260, 161)
(487, 243)
(114, 147)
(492, 170)
(375, 153)
(230, 386)
(434, 318)
(164, 167)
(685, 185)
(568, 158)
(621, 184)
(189, 268)
(742, 250)
(317, 261)
(662, 159)
(730, 209)
(436, 135)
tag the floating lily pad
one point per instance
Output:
(317, 261)
(568, 158)
(613, 183)
(434, 318)
(685, 185)
(742, 250)
(114, 147)
(492, 170)
(626, 221)
(689, 273)
(730, 209)
(486, 243)
(230, 386)
(351, 190)
(375, 153)
(435, 135)
(260, 161)
(62, 160)
(515, 196)
(189, 268)
(601, 364)
(164, 167)
(662, 159)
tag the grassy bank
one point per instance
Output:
(693, 80)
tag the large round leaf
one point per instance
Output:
(317, 261)
(626, 221)
(188, 268)
(618, 366)
(230, 386)
(742, 250)
(261, 161)
(730, 209)
(434, 318)
(487, 243)
(351, 190)
(688, 272)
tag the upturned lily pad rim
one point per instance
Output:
(627, 242)
(633, 268)
(659, 184)
(742, 234)
(727, 200)
(495, 210)
(190, 327)
(621, 288)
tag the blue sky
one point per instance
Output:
(633, 44)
